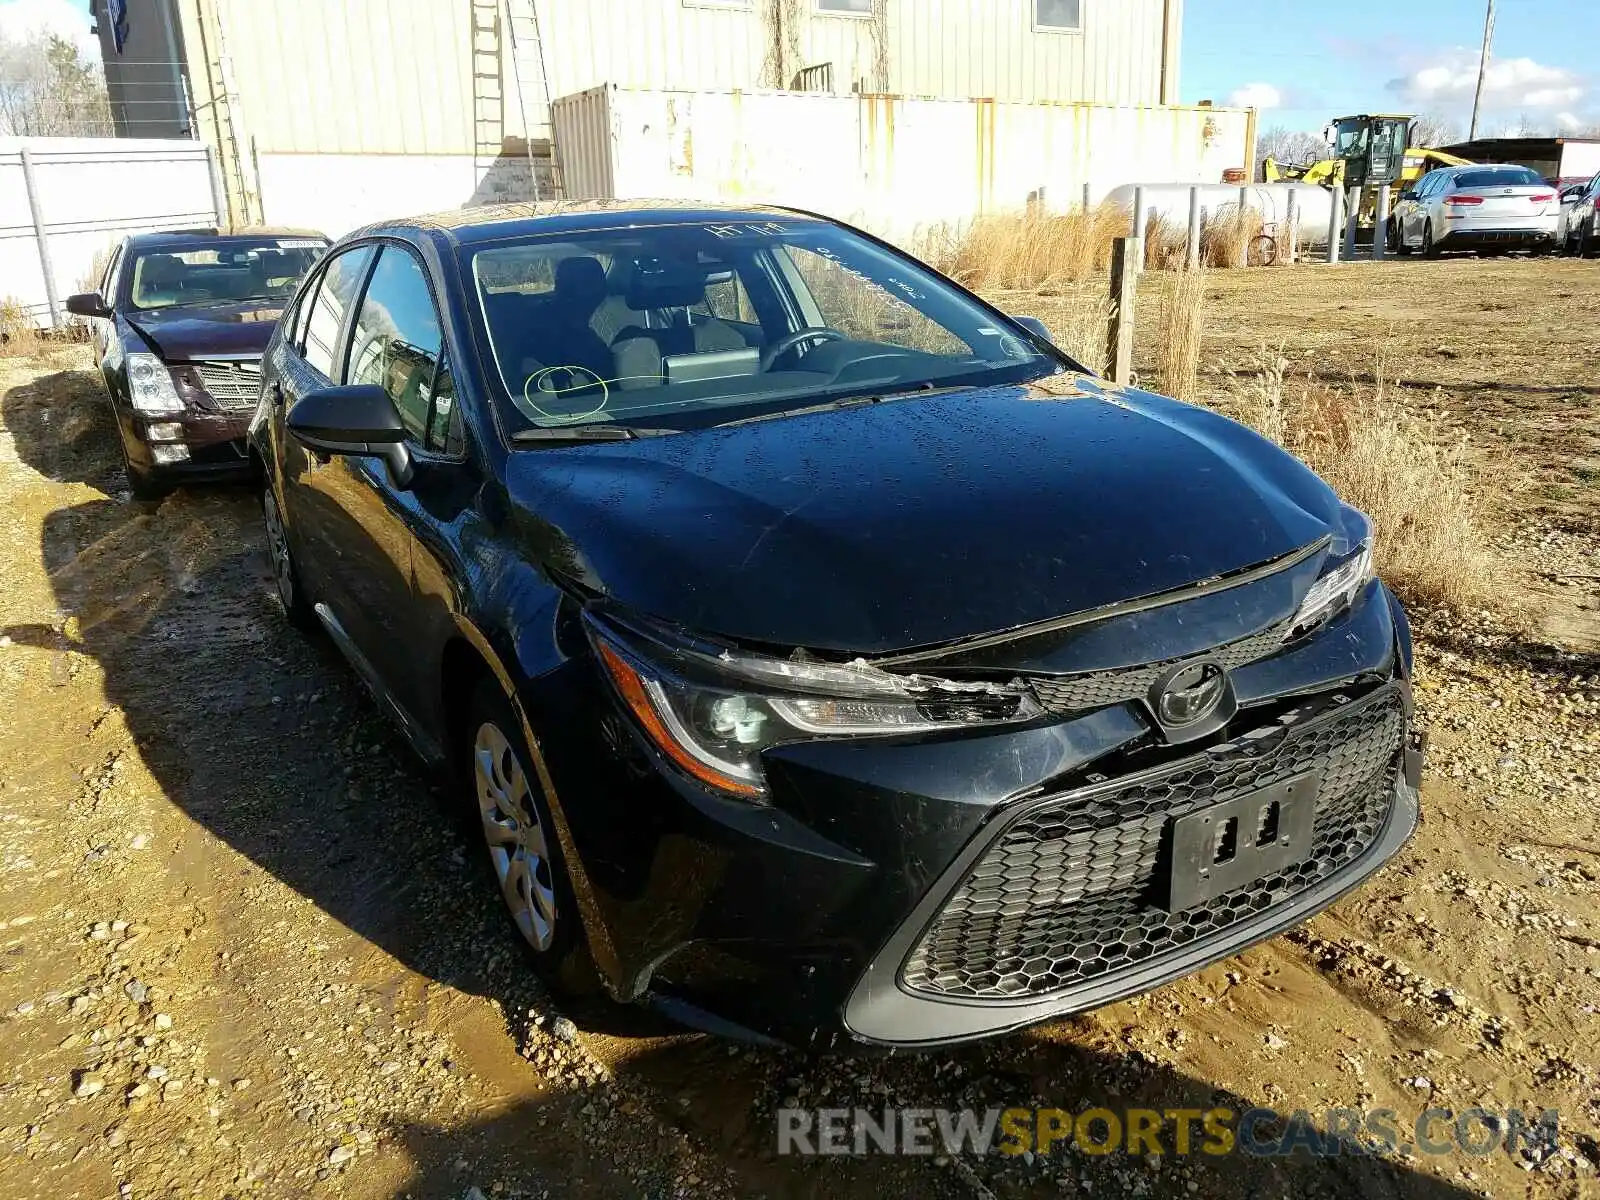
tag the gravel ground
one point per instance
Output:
(247, 950)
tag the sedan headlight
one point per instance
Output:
(1341, 582)
(713, 710)
(150, 386)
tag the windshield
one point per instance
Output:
(1498, 177)
(222, 272)
(699, 320)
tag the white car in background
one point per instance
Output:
(1498, 206)
(1579, 229)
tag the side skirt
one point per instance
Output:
(430, 751)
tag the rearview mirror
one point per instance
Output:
(88, 304)
(357, 418)
(1035, 326)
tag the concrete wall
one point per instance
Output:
(92, 192)
(889, 163)
(335, 193)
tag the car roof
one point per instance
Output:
(493, 222)
(188, 237)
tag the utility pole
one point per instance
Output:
(1483, 69)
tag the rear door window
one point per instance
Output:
(335, 294)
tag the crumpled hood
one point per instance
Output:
(918, 521)
(186, 334)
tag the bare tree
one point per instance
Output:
(1289, 146)
(48, 90)
(1434, 129)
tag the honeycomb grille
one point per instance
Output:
(1074, 693)
(1068, 892)
(233, 385)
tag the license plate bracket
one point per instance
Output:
(1238, 841)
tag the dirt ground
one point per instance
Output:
(247, 950)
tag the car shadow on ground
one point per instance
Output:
(723, 1102)
(263, 737)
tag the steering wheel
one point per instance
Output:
(799, 338)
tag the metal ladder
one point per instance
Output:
(533, 97)
(222, 97)
(488, 93)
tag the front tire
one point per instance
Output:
(1400, 247)
(520, 837)
(1586, 244)
(297, 607)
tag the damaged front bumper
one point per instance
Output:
(952, 884)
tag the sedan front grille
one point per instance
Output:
(1075, 693)
(1069, 891)
(235, 386)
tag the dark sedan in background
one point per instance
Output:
(180, 321)
(823, 654)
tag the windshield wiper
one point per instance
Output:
(586, 433)
(918, 390)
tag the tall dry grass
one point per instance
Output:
(19, 336)
(1039, 250)
(1225, 239)
(1182, 329)
(1412, 471)
(1024, 250)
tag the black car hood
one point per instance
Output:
(185, 334)
(919, 521)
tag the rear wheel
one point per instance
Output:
(1430, 248)
(1263, 250)
(520, 836)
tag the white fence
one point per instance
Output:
(64, 200)
(888, 162)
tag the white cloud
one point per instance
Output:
(1256, 95)
(1567, 121)
(66, 18)
(1510, 83)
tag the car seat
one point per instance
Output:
(664, 291)
(160, 280)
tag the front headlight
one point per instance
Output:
(714, 710)
(150, 386)
(1341, 582)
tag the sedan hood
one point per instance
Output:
(186, 334)
(916, 522)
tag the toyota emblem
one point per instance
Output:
(1189, 693)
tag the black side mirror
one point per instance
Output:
(88, 304)
(358, 418)
(1036, 327)
(1409, 194)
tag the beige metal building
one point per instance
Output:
(470, 81)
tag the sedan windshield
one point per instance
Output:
(701, 320)
(228, 271)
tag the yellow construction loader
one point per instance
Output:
(1369, 151)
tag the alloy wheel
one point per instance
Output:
(278, 550)
(518, 848)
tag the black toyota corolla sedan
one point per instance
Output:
(825, 655)
(179, 324)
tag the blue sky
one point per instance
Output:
(1303, 62)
